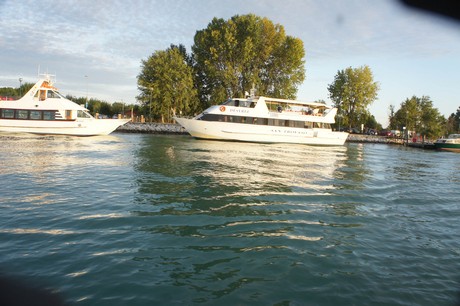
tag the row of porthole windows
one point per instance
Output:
(264, 121)
(25, 114)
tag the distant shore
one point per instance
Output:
(170, 128)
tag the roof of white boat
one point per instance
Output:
(286, 101)
(31, 100)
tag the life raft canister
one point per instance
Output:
(222, 108)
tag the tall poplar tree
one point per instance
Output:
(231, 56)
(352, 91)
(166, 84)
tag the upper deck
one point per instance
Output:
(264, 107)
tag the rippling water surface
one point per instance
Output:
(165, 220)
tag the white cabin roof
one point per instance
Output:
(43, 95)
(286, 101)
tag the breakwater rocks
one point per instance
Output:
(152, 128)
(373, 139)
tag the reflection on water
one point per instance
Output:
(228, 198)
(153, 219)
(31, 154)
(233, 179)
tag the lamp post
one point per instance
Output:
(86, 80)
(405, 135)
(20, 87)
(150, 105)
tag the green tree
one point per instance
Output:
(16, 93)
(352, 91)
(231, 56)
(166, 84)
(371, 123)
(418, 115)
(453, 123)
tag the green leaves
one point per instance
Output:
(232, 56)
(228, 58)
(352, 91)
(419, 115)
(166, 84)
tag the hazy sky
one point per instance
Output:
(97, 46)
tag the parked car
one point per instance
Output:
(351, 131)
(355, 131)
(387, 133)
(371, 132)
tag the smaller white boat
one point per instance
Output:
(43, 110)
(268, 120)
(451, 143)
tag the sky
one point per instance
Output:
(95, 48)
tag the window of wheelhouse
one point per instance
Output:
(49, 115)
(41, 95)
(239, 103)
(68, 114)
(22, 114)
(82, 114)
(35, 115)
(52, 94)
(7, 113)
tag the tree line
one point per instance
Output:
(354, 89)
(230, 57)
(417, 114)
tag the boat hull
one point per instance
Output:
(261, 133)
(82, 127)
(452, 147)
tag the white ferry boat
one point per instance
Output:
(43, 110)
(269, 120)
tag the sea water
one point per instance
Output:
(131, 219)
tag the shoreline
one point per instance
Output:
(152, 128)
(174, 128)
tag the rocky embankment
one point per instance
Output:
(152, 128)
(169, 128)
(373, 139)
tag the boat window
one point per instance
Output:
(48, 115)
(240, 103)
(264, 121)
(212, 117)
(68, 114)
(298, 124)
(83, 114)
(59, 94)
(229, 102)
(22, 114)
(35, 115)
(316, 125)
(42, 95)
(52, 94)
(8, 113)
(261, 121)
